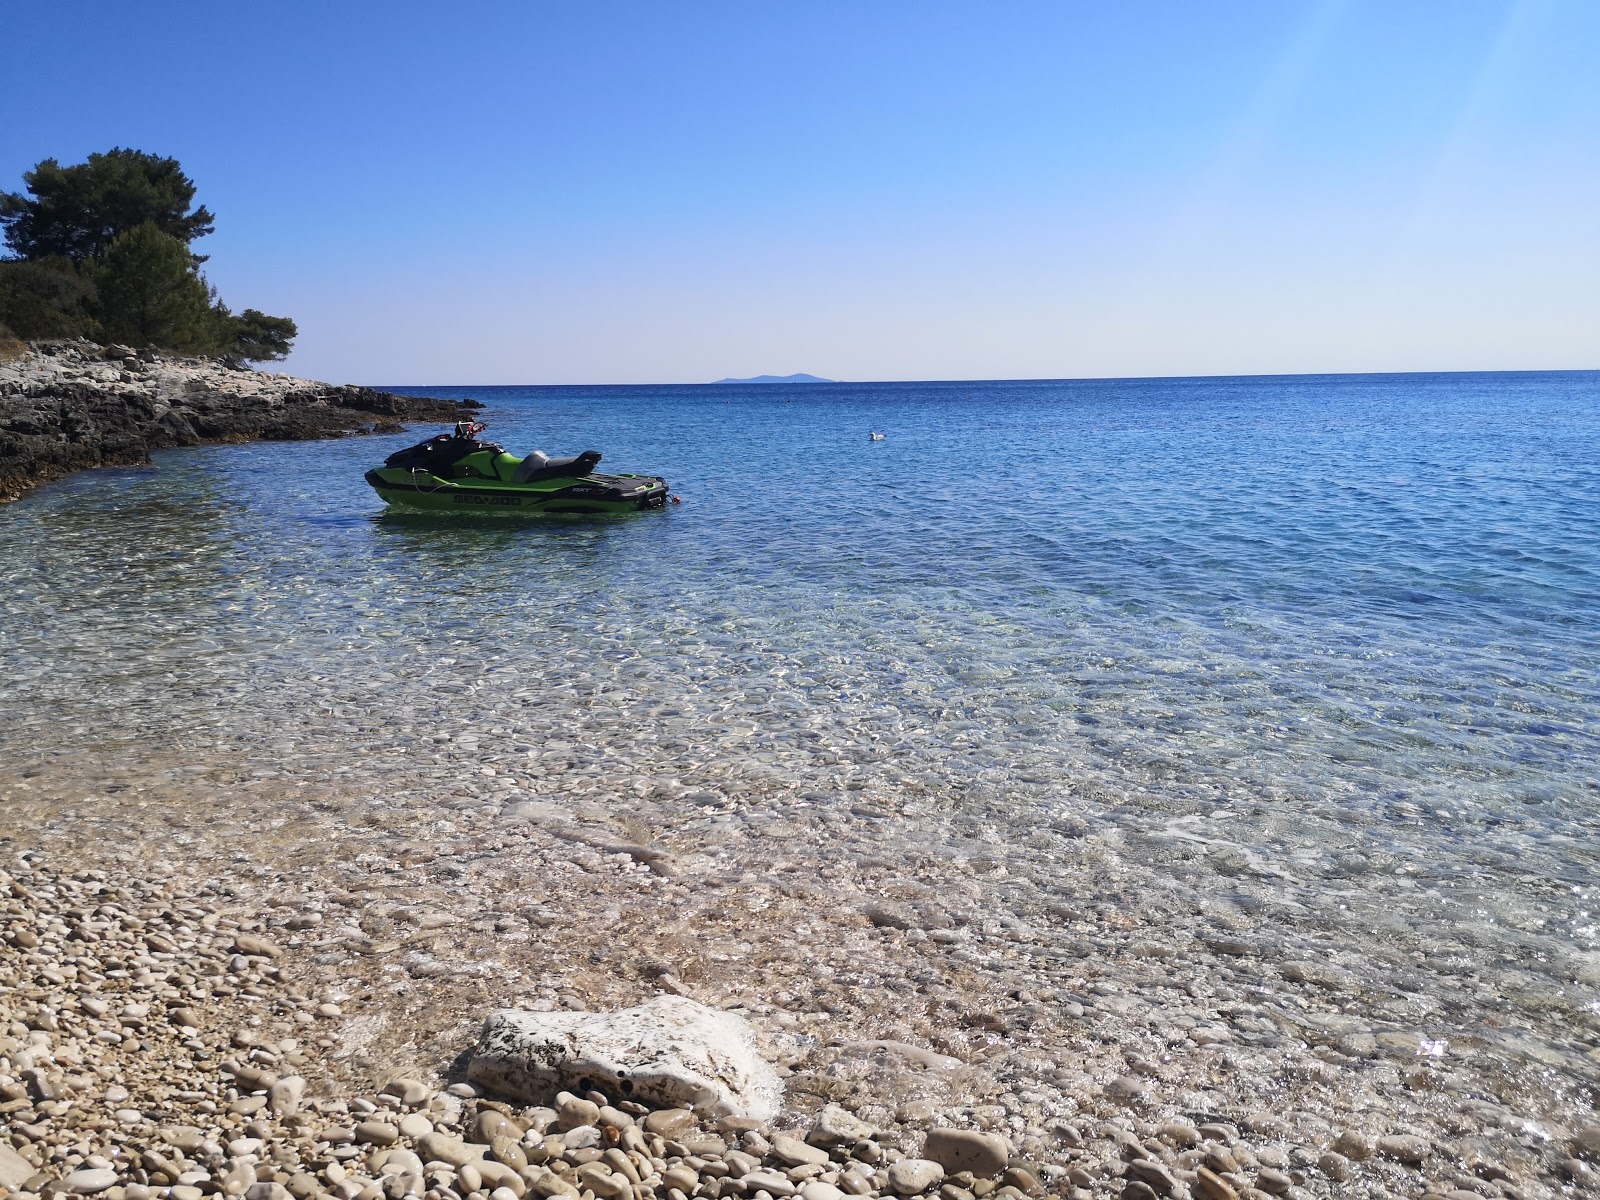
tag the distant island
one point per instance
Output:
(780, 379)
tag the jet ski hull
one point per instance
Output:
(406, 488)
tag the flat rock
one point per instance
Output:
(90, 1180)
(792, 1152)
(439, 1147)
(668, 1052)
(14, 1169)
(836, 1127)
(1404, 1147)
(958, 1150)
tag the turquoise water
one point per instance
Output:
(1328, 642)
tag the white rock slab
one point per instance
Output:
(669, 1052)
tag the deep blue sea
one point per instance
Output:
(1340, 633)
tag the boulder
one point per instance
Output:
(669, 1053)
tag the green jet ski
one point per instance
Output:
(455, 472)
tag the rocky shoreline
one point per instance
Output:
(70, 405)
(170, 1032)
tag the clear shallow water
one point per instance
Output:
(1316, 646)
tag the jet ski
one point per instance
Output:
(457, 472)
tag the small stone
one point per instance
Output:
(1021, 1179)
(1586, 1141)
(911, 1176)
(584, 1137)
(252, 1078)
(439, 1147)
(14, 1169)
(1211, 1186)
(770, 1182)
(377, 1133)
(1137, 1189)
(669, 1122)
(1221, 1160)
(285, 1095)
(186, 1138)
(792, 1152)
(613, 1118)
(415, 1125)
(1335, 1166)
(1404, 1148)
(492, 1173)
(836, 1127)
(89, 1180)
(1180, 1135)
(571, 1112)
(603, 1184)
(1273, 1181)
(410, 1092)
(818, 1190)
(1127, 1088)
(1148, 1170)
(957, 1150)
(256, 947)
(1354, 1144)
(489, 1125)
(508, 1151)
(685, 1179)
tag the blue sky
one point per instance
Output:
(663, 192)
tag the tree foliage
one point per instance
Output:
(78, 211)
(260, 338)
(151, 293)
(47, 297)
(103, 251)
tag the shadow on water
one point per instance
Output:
(509, 550)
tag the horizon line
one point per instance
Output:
(780, 386)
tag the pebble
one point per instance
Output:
(669, 1122)
(834, 1126)
(90, 1180)
(958, 1150)
(490, 1125)
(1150, 1172)
(910, 1176)
(1273, 1181)
(439, 1147)
(377, 1133)
(793, 1152)
(1211, 1186)
(1354, 1144)
(1405, 1148)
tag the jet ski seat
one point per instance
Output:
(539, 465)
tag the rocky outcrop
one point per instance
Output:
(68, 405)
